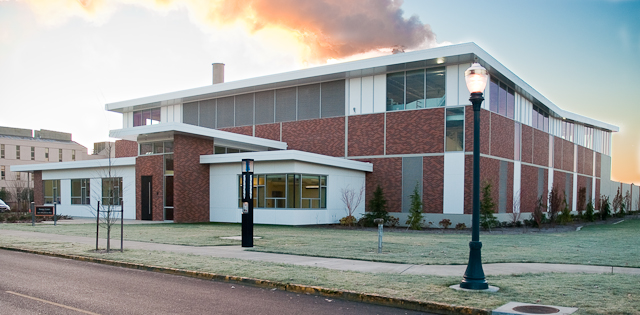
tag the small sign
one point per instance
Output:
(245, 207)
(45, 210)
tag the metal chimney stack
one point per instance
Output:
(218, 73)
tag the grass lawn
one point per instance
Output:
(592, 294)
(610, 245)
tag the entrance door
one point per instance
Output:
(146, 196)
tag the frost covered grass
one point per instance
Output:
(591, 293)
(604, 244)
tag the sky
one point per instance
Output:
(61, 61)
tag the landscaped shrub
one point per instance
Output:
(445, 223)
(617, 206)
(415, 212)
(538, 217)
(582, 200)
(392, 221)
(557, 203)
(605, 207)
(487, 207)
(348, 220)
(461, 226)
(588, 214)
(565, 215)
(377, 208)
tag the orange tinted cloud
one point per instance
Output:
(329, 29)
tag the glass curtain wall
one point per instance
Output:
(423, 88)
(291, 191)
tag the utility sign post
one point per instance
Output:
(46, 211)
(247, 203)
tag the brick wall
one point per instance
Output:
(596, 204)
(588, 162)
(580, 160)
(387, 172)
(245, 130)
(529, 187)
(489, 173)
(150, 165)
(38, 193)
(432, 183)
(268, 131)
(598, 164)
(322, 136)
(502, 136)
(557, 152)
(485, 130)
(567, 155)
(582, 183)
(415, 131)
(540, 147)
(126, 148)
(366, 135)
(191, 179)
(527, 144)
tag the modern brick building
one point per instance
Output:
(396, 121)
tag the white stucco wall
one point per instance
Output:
(95, 175)
(224, 193)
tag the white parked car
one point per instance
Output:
(4, 207)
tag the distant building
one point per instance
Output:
(400, 121)
(25, 146)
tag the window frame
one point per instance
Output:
(85, 192)
(109, 200)
(54, 198)
(261, 187)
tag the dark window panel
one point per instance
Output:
(435, 87)
(155, 116)
(286, 104)
(333, 102)
(511, 103)
(146, 117)
(415, 89)
(264, 107)
(189, 113)
(454, 138)
(225, 112)
(493, 98)
(208, 114)
(502, 101)
(137, 118)
(395, 91)
(244, 110)
(309, 101)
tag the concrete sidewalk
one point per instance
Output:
(330, 263)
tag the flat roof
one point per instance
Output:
(453, 54)
(222, 138)
(287, 155)
(115, 162)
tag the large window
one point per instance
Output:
(51, 191)
(2, 172)
(454, 140)
(502, 98)
(539, 119)
(1, 151)
(295, 191)
(17, 152)
(422, 88)
(80, 191)
(112, 191)
(158, 147)
(146, 117)
(33, 153)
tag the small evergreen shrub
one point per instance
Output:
(377, 208)
(588, 214)
(415, 212)
(487, 207)
(445, 223)
(348, 220)
(605, 207)
(461, 226)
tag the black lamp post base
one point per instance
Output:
(474, 276)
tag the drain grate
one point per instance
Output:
(536, 309)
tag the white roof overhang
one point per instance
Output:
(445, 55)
(222, 138)
(101, 163)
(287, 155)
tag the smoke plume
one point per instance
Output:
(329, 29)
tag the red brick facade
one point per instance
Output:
(191, 179)
(415, 131)
(527, 144)
(529, 187)
(322, 136)
(433, 184)
(268, 131)
(387, 172)
(151, 165)
(540, 148)
(489, 174)
(245, 130)
(126, 148)
(502, 136)
(38, 193)
(366, 135)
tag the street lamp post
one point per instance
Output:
(247, 203)
(476, 79)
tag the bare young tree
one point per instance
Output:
(351, 200)
(109, 205)
(515, 213)
(17, 188)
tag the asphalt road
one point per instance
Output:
(33, 284)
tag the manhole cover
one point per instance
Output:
(536, 309)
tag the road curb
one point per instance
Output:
(433, 307)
